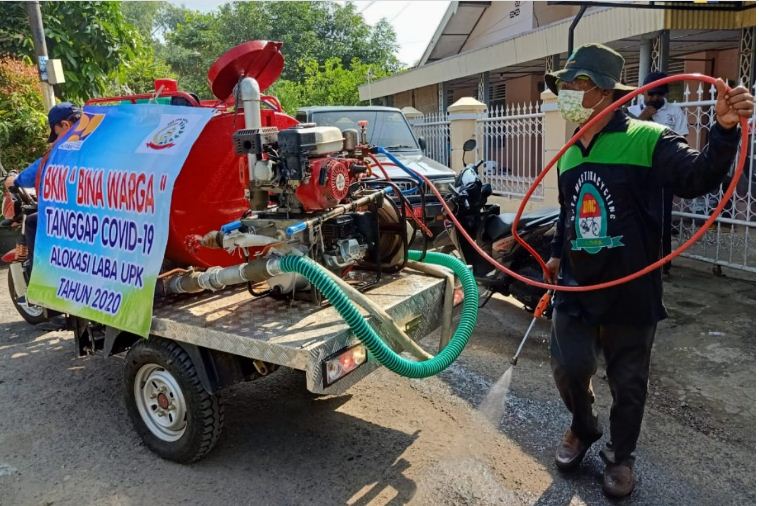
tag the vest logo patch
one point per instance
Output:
(591, 216)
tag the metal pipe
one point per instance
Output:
(216, 278)
(375, 197)
(571, 41)
(250, 96)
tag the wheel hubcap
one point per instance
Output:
(160, 402)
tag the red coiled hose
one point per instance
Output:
(612, 107)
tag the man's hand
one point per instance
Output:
(553, 268)
(647, 113)
(9, 180)
(732, 105)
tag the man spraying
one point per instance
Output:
(611, 195)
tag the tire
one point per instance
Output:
(159, 369)
(29, 312)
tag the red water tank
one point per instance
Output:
(209, 191)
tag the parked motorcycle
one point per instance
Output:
(492, 230)
(24, 204)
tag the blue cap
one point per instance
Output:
(58, 113)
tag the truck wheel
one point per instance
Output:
(170, 409)
(29, 312)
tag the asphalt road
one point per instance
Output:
(65, 437)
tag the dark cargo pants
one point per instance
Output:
(627, 350)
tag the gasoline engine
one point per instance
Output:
(310, 194)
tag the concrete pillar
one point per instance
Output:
(556, 132)
(645, 60)
(463, 115)
(412, 114)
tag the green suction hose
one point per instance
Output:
(381, 352)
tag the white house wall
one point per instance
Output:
(502, 20)
(601, 26)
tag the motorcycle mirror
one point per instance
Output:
(468, 146)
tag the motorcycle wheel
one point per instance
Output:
(29, 312)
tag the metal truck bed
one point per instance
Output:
(293, 333)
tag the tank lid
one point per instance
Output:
(259, 59)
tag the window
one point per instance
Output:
(497, 95)
(386, 128)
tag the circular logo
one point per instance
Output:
(340, 181)
(166, 137)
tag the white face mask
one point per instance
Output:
(571, 108)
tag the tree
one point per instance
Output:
(143, 16)
(138, 75)
(93, 40)
(327, 84)
(23, 123)
(191, 47)
(309, 31)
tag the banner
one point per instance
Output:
(103, 217)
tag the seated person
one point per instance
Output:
(60, 118)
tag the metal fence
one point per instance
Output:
(435, 128)
(731, 241)
(510, 140)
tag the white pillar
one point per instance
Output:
(645, 59)
(463, 115)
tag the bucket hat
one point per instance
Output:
(601, 64)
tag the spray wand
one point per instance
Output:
(540, 308)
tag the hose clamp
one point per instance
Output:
(209, 280)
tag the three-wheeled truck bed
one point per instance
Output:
(294, 333)
(202, 343)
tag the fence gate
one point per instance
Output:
(731, 240)
(510, 140)
(435, 128)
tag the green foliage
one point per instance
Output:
(93, 40)
(110, 48)
(143, 16)
(309, 31)
(15, 35)
(327, 84)
(138, 74)
(23, 122)
(191, 47)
